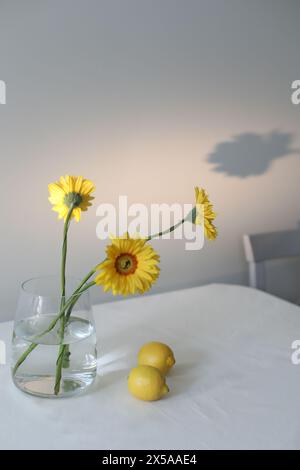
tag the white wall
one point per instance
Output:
(142, 97)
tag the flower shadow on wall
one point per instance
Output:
(251, 154)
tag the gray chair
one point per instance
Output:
(263, 247)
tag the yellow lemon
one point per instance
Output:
(157, 355)
(147, 383)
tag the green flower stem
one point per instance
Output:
(169, 230)
(60, 358)
(70, 308)
(63, 260)
(85, 279)
(22, 358)
(63, 293)
(64, 254)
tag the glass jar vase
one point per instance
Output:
(54, 339)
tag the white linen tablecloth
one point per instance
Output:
(233, 386)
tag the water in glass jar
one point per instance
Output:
(36, 375)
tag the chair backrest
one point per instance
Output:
(267, 246)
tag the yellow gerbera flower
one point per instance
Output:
(71, 190)
(131, 266)
(204, 214)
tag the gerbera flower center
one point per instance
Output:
(126, 264)
(73, 198)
